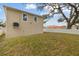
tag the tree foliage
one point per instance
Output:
(60, 20)
(2, 24)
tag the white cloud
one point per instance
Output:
(44, 13)
(66, 10)
(31, 6)
(54, 22)
(48, 8)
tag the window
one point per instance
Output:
(24, 17)
(35, 19)
(15, 25)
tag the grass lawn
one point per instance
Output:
(41, 44)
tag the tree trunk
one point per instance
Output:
(69, 26)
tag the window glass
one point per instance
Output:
(35, 19)
(15, 25)
(24, 17)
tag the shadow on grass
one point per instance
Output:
(2, 37)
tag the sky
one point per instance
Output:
(32, 8)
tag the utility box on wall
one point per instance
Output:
(21, 23)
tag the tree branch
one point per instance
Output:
(63, 14)
(76, 13)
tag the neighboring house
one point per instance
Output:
(21, 23)
(76, 26)
(56, 27)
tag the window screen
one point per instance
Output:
(35, 19)
(15, 24)
(24, 17)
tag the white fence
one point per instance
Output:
(70, 31)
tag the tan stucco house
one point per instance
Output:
(22, 23)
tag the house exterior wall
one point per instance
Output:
(28, 27)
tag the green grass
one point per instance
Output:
(46, 44)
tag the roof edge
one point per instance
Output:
(22, 11)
